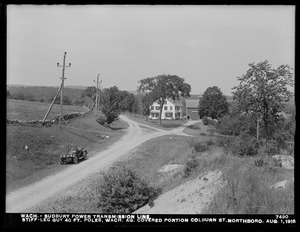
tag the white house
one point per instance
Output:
(171, 110)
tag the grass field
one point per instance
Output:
(29, 110)
(47, 144)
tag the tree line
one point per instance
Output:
(259, 101)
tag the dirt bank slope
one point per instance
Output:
(188, 198)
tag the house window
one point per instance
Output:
(154, 115)
(177, 107)
(171, 107)
(168, 115)
(165, 102)
(157, 107)
(165, 107)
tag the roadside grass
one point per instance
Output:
(165, 124)
(29, 110)
(248, 188)
(46, 144)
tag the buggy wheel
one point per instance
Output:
(75, 160)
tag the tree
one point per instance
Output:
(137, 105)
(147, 101)
(66, 100)
(51, 97)
(213, 103)
(29, 97)
(89, 92)
(110, 100)
(19, 96)
(162, 87)
(124, 100)
(129, 102)
(262, 91)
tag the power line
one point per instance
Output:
(26, 57)
(35, 44)
(30, 72)
(31, 56)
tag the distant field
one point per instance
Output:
(30, 110)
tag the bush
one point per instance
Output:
(189, 166)
(210, 142)
(240, 146)
(205, 120)
(199, 147)
(124, 191)
(101, 120)
(234, 125)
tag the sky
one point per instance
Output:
(207, 45)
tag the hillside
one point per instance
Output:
(46, 144)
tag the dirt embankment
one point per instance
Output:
(188, 198)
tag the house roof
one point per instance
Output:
(177, 103)
(192, 103)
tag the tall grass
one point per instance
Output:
(248, 189)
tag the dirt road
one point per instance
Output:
(20, 200)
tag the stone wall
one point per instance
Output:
(47, 123)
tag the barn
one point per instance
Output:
(192, 109)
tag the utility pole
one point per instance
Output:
(62, 86)
(96, 105)
(52, 104)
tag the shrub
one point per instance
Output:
(190, 165)
(124, 191)
(101, 120)
(240, 146)
(210, 142)
(236, 124)
(205, 120)
(246, 147)
(199, 147)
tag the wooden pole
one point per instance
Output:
(62, 87)
(51, 104)
(96, 106)
(62, 91)
(91, 101)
